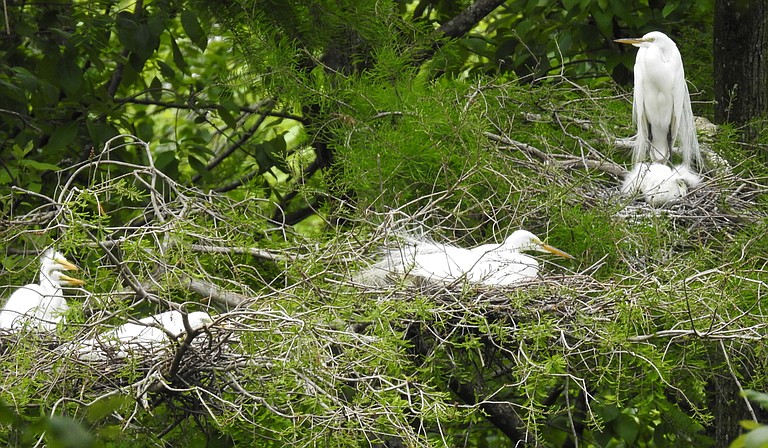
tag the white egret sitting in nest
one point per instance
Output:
(662, 106)
(659, 183)
(488, 264)
(149, 335)
(42, 305)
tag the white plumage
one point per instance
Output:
(662, 106)
(41, 306)
(148, 335)
(488, 264)
(658, 183)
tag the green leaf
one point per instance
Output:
(127, 29)
(145, 129)
(178, 58)
(140, 38)
(12, 92)
(758, 397)
(669, 8)
(70, 77)
(39, 166)
(608, 413)
(749, 425)
(603, 19)
(738, 443)
(226, 116)
(627, 428)
(63, 432)
(198, 165)
(166, 162)
(757, 438)
(156, 88)
(63, 136)
(193, 29)
(166, 70)
(570, 4)
(8, 416)
(28, 80)
(106, 406)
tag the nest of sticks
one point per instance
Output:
(201, 373)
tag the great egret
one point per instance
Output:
(148, 335)
(488, 264)
(40, 305)
(662, 106)
(659, 183)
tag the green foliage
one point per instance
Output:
(326, 110)
(531, 39)
(757, 434)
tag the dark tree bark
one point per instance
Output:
(502, 415)
(462, 23)
(741, 60)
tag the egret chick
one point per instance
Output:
(150, 334)
(487, 264)
(662, 106)
(659, 183)
(41, 305)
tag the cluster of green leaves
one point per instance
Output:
(531, 39)
(343, 92)
(757, 433)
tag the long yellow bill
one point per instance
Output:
(556, 251)
(68, 265)
(71, 281)
(631, 40)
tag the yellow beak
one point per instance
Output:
(71, 281)
(556, 251)
(631, 40)
(68, 265)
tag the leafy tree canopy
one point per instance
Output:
(251, 158)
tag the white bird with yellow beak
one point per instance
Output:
(662, 106)
(488, 264)
(41, 306)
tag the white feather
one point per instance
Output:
(40, 306)
(148, 335)
(488, 264)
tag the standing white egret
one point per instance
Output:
(488, 264)
(149, 335)
(662, 106)
(40, 305)
(659, 183)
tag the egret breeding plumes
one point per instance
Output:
(488, 264)
(41, 305)
(148, 335)
(658, 183)
(662, 106)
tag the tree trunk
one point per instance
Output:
(741, 61)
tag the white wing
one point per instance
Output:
(120, 342)
(21, 306)
(51, 310)
(684, 121)
(638, 112)
(504, 268)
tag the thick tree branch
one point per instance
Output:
(459, 26)
(227, 299)
(467, 19)
(502, 415)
